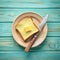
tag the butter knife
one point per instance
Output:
(42, 24)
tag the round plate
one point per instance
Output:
(37, 20)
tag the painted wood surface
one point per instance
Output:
(30, 3)
(9, 15)
(49, 49)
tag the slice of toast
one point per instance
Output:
(26, 28)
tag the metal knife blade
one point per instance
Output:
(37, 34)
(43, 22)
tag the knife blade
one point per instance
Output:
(42, 24)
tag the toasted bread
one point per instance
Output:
(26, 28)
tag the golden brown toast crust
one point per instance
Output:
(30, 35)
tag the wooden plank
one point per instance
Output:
(9, 15)
(30, 3)
(55, 1)
(51, 55)
(53, 29)
(50, 44)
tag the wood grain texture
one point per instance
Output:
(29, 56)
(30, 4)
(50, 44)
(49, 49)
(9, 15)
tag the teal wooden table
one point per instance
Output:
(49, 49)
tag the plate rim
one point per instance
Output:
(17, 18)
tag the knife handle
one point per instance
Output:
(29, 45)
